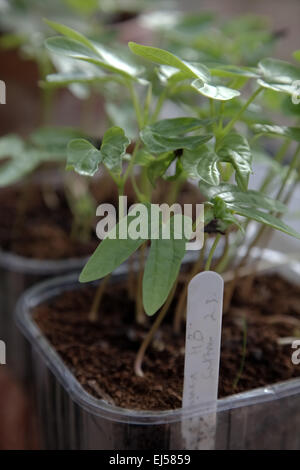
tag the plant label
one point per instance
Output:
(202, 358)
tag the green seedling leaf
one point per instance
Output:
(111, 252)
(235, 149)
(83, 157)
(159, 166)
(18, 167)
(218, 92)
(201, 163)
(57, 137)
(98, 55)
(168, 135)
(278, 71)
(162, 57)
(288, 89)
(224, 216)
(11, 146)
(266, 219)
(278, 75)
(144, 158)
(113, 148)
(231, 194)
(90, 51)
(70, 33)
(229, 71)
(55, 80)
(158, 144)
(162, 267)
(292, 133)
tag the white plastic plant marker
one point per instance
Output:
(202, 358)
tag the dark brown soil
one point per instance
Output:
(31, 228)
(36, 221)
(101, 356)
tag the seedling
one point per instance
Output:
(21, 158)
(215, 152)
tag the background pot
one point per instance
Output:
(70, 418)
(16, 275)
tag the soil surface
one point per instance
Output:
(36, 223)
(36, 220)
(101, 355)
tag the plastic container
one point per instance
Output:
(16, 275)
(70, 418)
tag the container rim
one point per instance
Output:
(53, 287)
(21, 264)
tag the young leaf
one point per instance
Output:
(235, 149)
(178, 126)
(220, 93)
(231, 194)
(159, 166)
(168, 135)
(11, 146)
(70, 33)
(162, 267)
(162, 57)
(278, 71)
(224, 216)
(292, 133)
(228, 71)
(57, 137)
(18, 167)
(98, 55)
(83, 157)
(54, 80)
(266, 219)
(111, 253)
(201, 163)
(113, 148)
(278, 75)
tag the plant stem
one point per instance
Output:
(278, 158)
(146, 342)
(159, 104)
(136, 104)
(93, 315)
(132, 162)
(147, 104)
(292, 166)
(180, 308)
(262, 229)
(222, 263)
(211, 253)
(174, 191)
(230, 125)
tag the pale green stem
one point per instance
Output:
(211, 253)
(136, 105)
(278, 158)
(148, 339)
(230, 125)
(159, 105)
